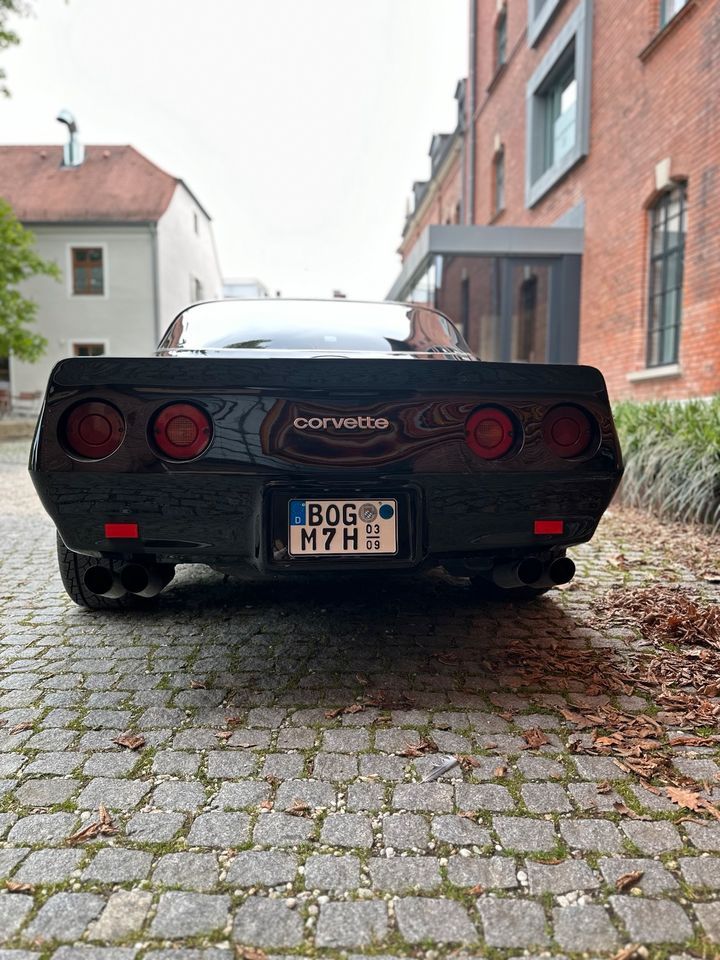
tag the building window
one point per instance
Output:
(88, 348)
(196, 290)
(499, 180)
(668, 9)
(87, 271)
(501, 39)
(540, 13)
(667, 252)
(558, 107)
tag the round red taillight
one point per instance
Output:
(94, 429)
(182, 431)
(490, 432)
(567, 431)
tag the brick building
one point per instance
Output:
(576, 207)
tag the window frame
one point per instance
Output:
(573, 43)
(501, 39)
(656, 213)
(89, 341)
(538, 18)
(663, 12)
(70, 269)
(499, 182)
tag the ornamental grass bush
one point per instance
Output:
(672, 458)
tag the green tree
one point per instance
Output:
(19, 261)
(8, 38)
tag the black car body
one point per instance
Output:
(376, 417)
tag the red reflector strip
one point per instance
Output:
(125, 531)
(549, 526)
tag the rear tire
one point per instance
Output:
(487, 590)
(72, 568)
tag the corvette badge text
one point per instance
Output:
(341, 423)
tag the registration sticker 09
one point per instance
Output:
(334, 527)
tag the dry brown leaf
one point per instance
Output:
(534, 738)
(468, 815)
(223, 734)
(691, 800)
(334, 714)
(500, 771)
(467, 761)
(233, 720)
(198, 685)
(249, 953)
(299, 809)
(426, 745)
(627, 953)
(13, 886)
(266, 805)
(628, 880)
(355, 708)
(20, 727)
(604, 787)
(103, 826)
(133, 741)
(477, 890)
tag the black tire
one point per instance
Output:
(72, 568)
(487, 590)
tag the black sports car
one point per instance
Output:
(285, 437)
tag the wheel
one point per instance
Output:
(72, 568)
(487, 590)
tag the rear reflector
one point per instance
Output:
(121, 531)
(549, 526)
(490, 432)
(93, 430)
(182, 431)
(567, 431)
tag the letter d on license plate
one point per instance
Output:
(325, 528)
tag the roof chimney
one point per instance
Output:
(73, 151)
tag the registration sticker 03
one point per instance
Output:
(342, 527)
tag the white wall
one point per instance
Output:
(184, 254)
(124, 317)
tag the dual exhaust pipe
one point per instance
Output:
(140, 579)
(532, 572)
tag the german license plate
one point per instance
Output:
(325, 528)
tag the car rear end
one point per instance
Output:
(287, 465)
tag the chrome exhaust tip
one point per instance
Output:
(103, 583)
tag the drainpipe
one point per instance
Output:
(155, 281)
(472, 98)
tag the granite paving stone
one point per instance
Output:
(328, 872)
(189, 871)
(267, 923)
(219, 830)
(655, 877)
(420, 919)
(123, 916)
(512, 923)
(64, 916)
(709, 916)
(490, 873)
(154, 827)
(262, 868)
(653, 921)
(112, 865)
(591, 835)
(13, 911)
(282, 830)
(189, 915)
(351, 924)
(581, 927)
(404, 874)
(48, 866)
(558, 878)
(653, 838)
(525, 834)
(701, 871)
(347, 830)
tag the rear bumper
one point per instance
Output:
(224, 519)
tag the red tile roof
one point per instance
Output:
(114, 183)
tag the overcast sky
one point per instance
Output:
(299, 124)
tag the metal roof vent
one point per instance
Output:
(73, 151)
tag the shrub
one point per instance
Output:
(672, 458)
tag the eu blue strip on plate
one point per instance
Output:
(297, 513)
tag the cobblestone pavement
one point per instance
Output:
(256, 814)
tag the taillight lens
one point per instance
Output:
(491, 432)
(182, 431)
(568, 431)
(94, 430)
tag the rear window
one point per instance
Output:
(345, 326)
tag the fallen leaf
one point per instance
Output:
(266, 805)
(628, 880)
(467, 761)
(500, 771)
(103, 826)
(476, 890)
(334, 714)
(690, 800)
(249, 953)
(426, 745)
(223, 734)
(468, 815)
(198, 685)
(626, 811)
(534, 737)
(233, 721)
(299, 809)
(362, 679)
(627, 953)
(133, 741)
(355, 708)
(14, 887)
(604, 787)
(20, 727)
(711, 576)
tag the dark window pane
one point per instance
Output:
(667, 221)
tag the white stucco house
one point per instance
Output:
(134, 245)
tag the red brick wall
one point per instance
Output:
(642, 111)
(441, 208)
(666, 104)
